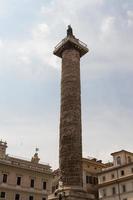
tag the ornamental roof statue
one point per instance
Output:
(69, 31)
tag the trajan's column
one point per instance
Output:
(70, 50)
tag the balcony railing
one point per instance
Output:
(77, 41)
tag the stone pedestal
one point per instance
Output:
(71, 194)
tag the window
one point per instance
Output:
(32, 183)
(123, 188)
(18, 180)
(89, 179)
(31, 197)
(4, 178)
(44, 185)
(118, 160)
(53, 189)
(2, 194)
(129, 159)
(112, 176)
(122, 173)
(95, 180)
(104, 192)
(17, 196)
(104, 178)
(56, 187)
(113, 190)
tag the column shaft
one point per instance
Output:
(70, 120)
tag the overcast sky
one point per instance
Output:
(30, 75)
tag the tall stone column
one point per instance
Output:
(70, 150)
(70, 50)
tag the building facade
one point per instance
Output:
(23, 180)
(91, 167)
(116, 182)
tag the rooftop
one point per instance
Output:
(121, 151)
(25, 164)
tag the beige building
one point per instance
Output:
(91, 166)
(116, 182)
(22, 179)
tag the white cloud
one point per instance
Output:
(105, 33)
(41, 31)
(130, 18)
(29, 55)
(108, 25)
(1, 43)
(130, 14)
(3, 8)
(24, 60)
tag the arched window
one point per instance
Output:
(118, 160)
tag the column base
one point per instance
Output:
(71, 193)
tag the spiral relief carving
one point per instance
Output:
(70, 120)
